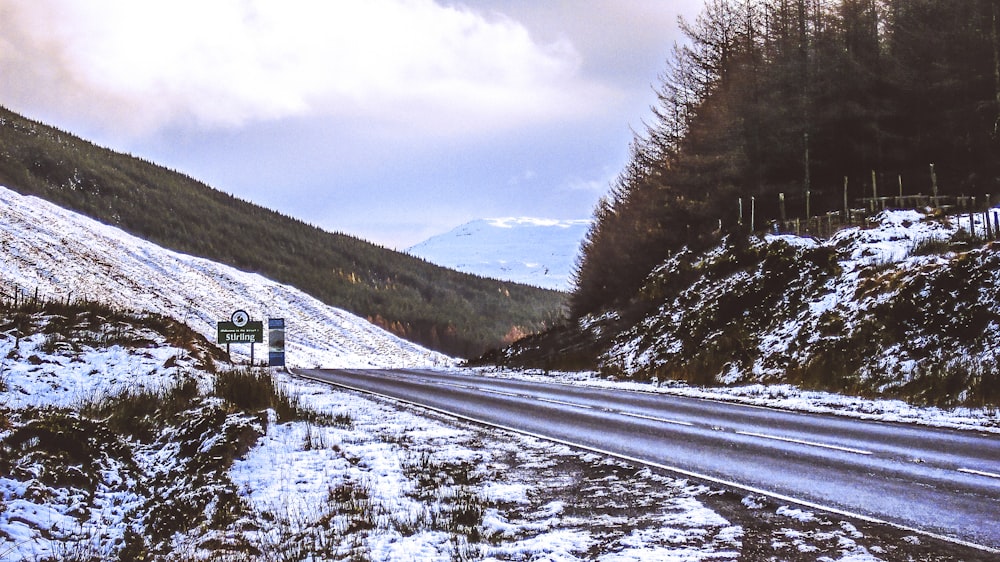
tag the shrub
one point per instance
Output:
(930, 246)
(254, 389)
(139, 412)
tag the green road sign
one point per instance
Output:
(250, 332)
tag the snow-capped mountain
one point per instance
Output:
(61, 254)
(533, 251)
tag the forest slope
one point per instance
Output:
(788, 109)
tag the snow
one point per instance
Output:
(532, 251)
(62, 380)
(899, 295)
(539, 501)
(388, 452)
(62, 254)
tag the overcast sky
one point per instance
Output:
(391, 120)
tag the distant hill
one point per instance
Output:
(456, 313)
(533, 251)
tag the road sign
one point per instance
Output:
(276, 342)
(249, 332)
(240, 318)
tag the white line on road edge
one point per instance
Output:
(800, 442)
(979, 473)
(675, 470)
(653, 418)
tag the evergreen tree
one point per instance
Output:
(791, 96)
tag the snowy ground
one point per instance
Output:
(425, 487)
(530, 499)
(371, 480)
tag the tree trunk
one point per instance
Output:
(996, 68)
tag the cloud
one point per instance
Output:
(136, 67)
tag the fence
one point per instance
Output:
(963, 208)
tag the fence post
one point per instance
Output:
(874, 192)
(934, 190)
(986, 218)
(847, 209)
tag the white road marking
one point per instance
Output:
(549, 400)
(653, 418)
(500, 392)
(979, 473)
(800, 442)
(455, 385)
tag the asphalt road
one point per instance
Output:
(941, 482)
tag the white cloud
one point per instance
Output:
(134, 67)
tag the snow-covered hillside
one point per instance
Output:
(539, 252)
(908, 307)
(62, 255)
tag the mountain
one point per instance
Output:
(63, 256)
(532, 251)
(906, 307)
(452, 312)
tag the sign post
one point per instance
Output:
(240, 329)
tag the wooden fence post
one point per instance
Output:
(874, 192)
(986, 218)
(847, 208)
(934, 190)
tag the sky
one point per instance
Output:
(390, 120)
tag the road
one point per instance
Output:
(940, 482)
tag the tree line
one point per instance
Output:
(798, 97)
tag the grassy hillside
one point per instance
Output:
(448, 311)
